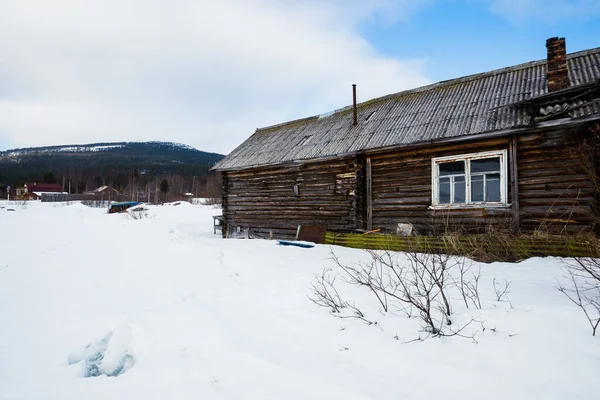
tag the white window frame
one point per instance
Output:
(435, 162)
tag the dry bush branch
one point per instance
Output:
(584, 291)
(325, 294)
(500, 291)
(137, 214)
(212, 201)
(22, 204)
(357, 314)
(469, 287)
(371, 276)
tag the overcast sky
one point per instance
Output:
(208, 73)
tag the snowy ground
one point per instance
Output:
(188, 315)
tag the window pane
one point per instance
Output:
(492, 187)
(452, 168)
(444, 191)
(459, 189)
(486, 165)
(477, 188)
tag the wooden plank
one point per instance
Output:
(312, 233)
(369, 194)
(514, 174)
(359, 198)
(224, 194)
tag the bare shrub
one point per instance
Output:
(372, 276)
(324, 292)
(22, 204)
(469, 285)
(137, 214)
(357, 314)
(96, 203)
(419, 283)
(501, 290)
(212, 201)
(584, 288)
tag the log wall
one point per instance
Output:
(402, 191)
(556, 184)
(278, 199)
(555, 190)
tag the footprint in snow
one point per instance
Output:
(112, 355)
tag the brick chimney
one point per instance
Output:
(557, 74)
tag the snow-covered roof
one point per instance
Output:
(41, 193)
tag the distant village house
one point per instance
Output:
(104, 191)
(34, 191)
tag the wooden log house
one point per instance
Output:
(511, 149)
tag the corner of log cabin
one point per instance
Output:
(556, 182)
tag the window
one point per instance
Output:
(470, 179)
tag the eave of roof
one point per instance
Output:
(565, 122)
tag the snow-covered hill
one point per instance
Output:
(175, 312)
(91, 148)
(104, 162)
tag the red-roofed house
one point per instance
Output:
(33, 191)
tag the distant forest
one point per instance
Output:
(127, 167)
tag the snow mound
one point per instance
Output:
(111, 356)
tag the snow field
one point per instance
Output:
(177, 312)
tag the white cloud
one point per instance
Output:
(548, 11)
(205, 73)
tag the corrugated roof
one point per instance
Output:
(470, 105)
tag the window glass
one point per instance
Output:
(452, 168)
(459, 189)
(492, 187)
(477, 188)
(444, 191)
(485, 165)
(468, 179)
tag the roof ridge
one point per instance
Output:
(468, 78)
(447, 82)
(294, 121)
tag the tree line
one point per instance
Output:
(131, 183)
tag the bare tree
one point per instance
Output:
(584, 289)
